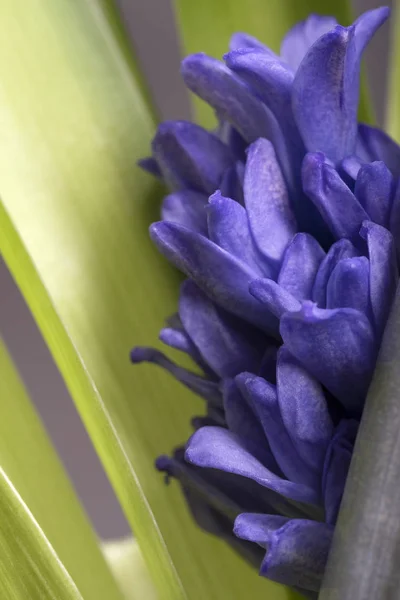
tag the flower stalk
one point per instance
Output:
(364, 560)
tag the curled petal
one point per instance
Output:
(186, 208)
(263, 399)
(228, 94)
(228, 227)
(351, 166)
(337, 252)
(218, 448)
(336, 468)
(297, 549)
(348, 286)
(375, 144)
(199, 385)
(301, 37)
(242, 421)
(267, 202)
(337, 346)
(304, 410)
(179, 339)
(244, 40)
(383, 271)
(150, 165)
(190, 157)
(272, 80)
(224, 278)
(226, 344)
(337, 204)
(374, 190)
(276, 299)
(300, 265)
(225, 91)
(326, 87)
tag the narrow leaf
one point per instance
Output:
(47, 547)
(206, 26)
(74, 234)
(364, 560)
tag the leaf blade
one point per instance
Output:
(41, 516)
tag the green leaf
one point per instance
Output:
(47, 547)
(393, 91)
(129, 568)
(73, 123)
(206, 26)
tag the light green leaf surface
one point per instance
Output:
(47, 547)
(207, 25)
(129, 568)
(393, 91)
(73, 123)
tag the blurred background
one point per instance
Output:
(151, 29)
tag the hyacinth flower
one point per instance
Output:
(284, 220)
(74, 215)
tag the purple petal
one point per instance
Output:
(227, 344)
(337, 204)
(276, 299)
(300, 265)
(394, 220)
(179, 339)
(304, 410)
(301, 37)
(210, 79)
(272, 81)
(232, 138)
(262, 397)
(228, 227)
(266, 198)
(297, 549)
(336, 468)
(186, 208)
(326, 87)
(150, 165)
(375, 144)
(242, 421)
(348, 286)
(199, 385)
(224, 278)
(218, 448)
(244, 40)
(232, 183)
(337, 346)
(190, 157)
(230, 96)
(374, 190)
(338, 251)
(383, 271)
(351, 166)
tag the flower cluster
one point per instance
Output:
(284, 221)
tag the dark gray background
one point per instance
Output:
(151, 28)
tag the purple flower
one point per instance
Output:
(284, 221)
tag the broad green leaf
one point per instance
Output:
(206, 26)
(393, 92)
(29, 566)
(129, 568)
(47, 547)
(73, 122)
